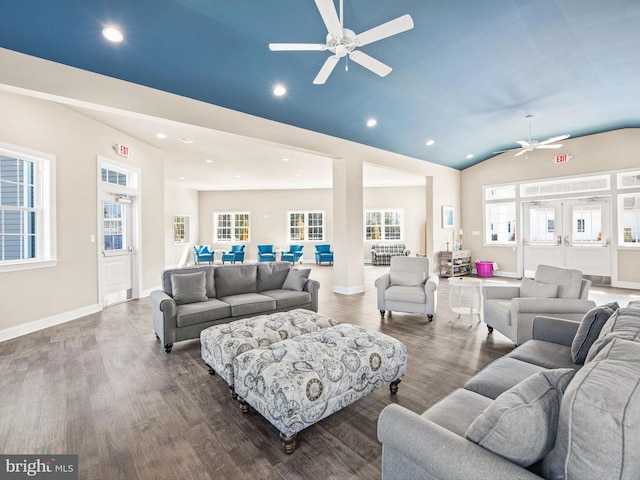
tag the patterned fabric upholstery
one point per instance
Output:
(222, 343)
(297, 382)
(381, 253)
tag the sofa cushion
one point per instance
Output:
(544, 354)
(589, 330)
(623, 323)
(598, 434)
(288, 298)
(500, 375)
(296, 278)
(520, 425)
(569, 280)
(207, 269)
(457, 411)
(534, 289)
(397, 293)
(189, 287)
(271, 276)
(404, 278)
(249, 303)
(200, 312)
(235, 279)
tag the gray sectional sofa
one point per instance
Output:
(194, 298)
(538, 412)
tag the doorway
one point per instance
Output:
(574, 233)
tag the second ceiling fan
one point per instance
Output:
(342, 42)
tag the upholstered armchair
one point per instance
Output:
(293, 255)
(324, 254)
(266, 253)
(554, 292)
(408, 287)
(201, 253)
(236, 254)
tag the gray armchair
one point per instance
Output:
(555, 291)
(408, 287)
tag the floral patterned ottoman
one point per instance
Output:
(297, 382)
(220, 344)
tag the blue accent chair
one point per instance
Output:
(293, 255)
(201, 253)
(324, 254)
(236, 254)
(266, 253)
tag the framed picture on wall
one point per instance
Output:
(448, 216)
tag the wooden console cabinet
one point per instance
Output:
(454, 264)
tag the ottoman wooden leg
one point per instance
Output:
(289, 443)
(233, 393)
(393, 386)
(211, 371)
(244, 406)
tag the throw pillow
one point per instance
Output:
(589, 330)
(408, 279)
(189, 287)
(520, 425)
(296, 278)
(534, 289)
(623, 323)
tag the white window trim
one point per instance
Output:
(46, 195)
(508, 243)
(187, 227)
(306, 226)
(621, 244)
(383, 210)
(215, 226)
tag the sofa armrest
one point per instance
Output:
(164, 310)
(437, 451)
(504, 292)
(312, 286)
(382, 283)
(431, 285)
(555, 330)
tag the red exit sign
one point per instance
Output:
(123, 150)
(562, 158)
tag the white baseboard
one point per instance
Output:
(147, 292)
(348, 290)
(629, 285)
(34, 326)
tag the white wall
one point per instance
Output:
(76, 141)
(180, 201)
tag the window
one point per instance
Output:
(110, 175)
(231, 227)
(306, 226)
(180, 229)
(565, 185)
(113, 219)
(501, 223)
(383, 225)
(629, 180)
(27, 237)
(629, 220)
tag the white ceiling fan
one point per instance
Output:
(342, 42)
(530, 145)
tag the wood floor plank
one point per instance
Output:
(102, 387)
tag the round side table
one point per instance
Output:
(472, 286)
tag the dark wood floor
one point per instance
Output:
(103, 388)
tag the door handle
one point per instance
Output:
(559, 240)
(566, 240)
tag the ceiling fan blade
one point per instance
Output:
(330, 17)
(555, 139)
(326, 70)
(524, 150)
(523, 143)
(370, 63)
(393, 27)
(555, 145)
(282, 47)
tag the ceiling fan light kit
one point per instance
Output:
(530, 145)
(343, 42)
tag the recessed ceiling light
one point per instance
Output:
(185, 140)
(285, 159)
(180, 178)
(279, 90)
(470, 156)
(430, 142)
(237, 176)
(113, 34)
(208, 160)
(372, 122)
(161, 135)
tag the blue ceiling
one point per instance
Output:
(466, 75)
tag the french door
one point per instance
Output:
(574, 233)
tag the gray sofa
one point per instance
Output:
(582, 425)
(195, 298)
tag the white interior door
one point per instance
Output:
(573, 233)
(117, 250)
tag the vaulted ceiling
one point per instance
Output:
(465, 76)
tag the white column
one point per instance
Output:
(348, 266)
